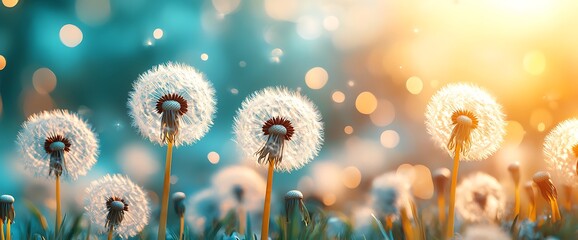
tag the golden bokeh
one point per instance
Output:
(158, 33)
(204, 56)
(384, 114)
(366, 103)
(514, 133)
(351, 177)
(213, 157)
(534, 62)
(338, 97)
(2, 62)
(414, 85)
(422, 186)
(540, 119)
(9, 3)
(316, 78)
(348, 129)
(70, 35)
(329, 199)
(44, 80)
(389, 139)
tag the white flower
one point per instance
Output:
(57, 143)
(480, 198)
(280, 126)
(561, 151)
(466, 114)
(172, 102)
(239, 186)
(115, 201)
(390, 192)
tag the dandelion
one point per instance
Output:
(171, 104)
(480, 198)
(440, 180)
(469, 124)
(294, 205)
(549, 193)
(57, 143)
(239, 188)
(561, 155)
(390, 192)
(179, 204)
(6, 215)
(116, 205)
(283, 129)
(514, 169)
(204, 209)
(529, 187)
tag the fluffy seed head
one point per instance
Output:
(57, 132)
(469, 106)
(560, 151)
(204, 209)
(113, 198)
(269, 111)
(229, 181)
(390, 193)
(480, 198)
(172, 88)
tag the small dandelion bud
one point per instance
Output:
(440, 179)
(514, 169)
(7, 208)
(294, 205)
(179, 203)
(548, 191)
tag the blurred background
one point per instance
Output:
(369, 65)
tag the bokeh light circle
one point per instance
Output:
(366, 103)
(70, 35)
(316, 78)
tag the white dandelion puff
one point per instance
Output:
(390, 193)
(279, 125)
(561, 151)
(468, 115)
(55, 143)
(115, 202)
(239, 186)
(203, 209)
(172, 102)
(485, 232)
(480, 198)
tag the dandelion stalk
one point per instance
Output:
(110, 233)
(532, 201)
(166, 190)
(514, 170)
(406, 224)
(440, 180)
(181, 227)
(6, 215)
(2, 230)
(549, 193)
(8, 234)
(179, 205)
(451, 206)
(58, 207)
(267, 205)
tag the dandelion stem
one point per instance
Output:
(568, 199)
(58, 209)
(1, 230)
(555, 210)
(407, 227)
(441, 207)
(110, 233)
(242, 220)
(267, 206)
(450, 227)
(532, 211)
(166, 190)
(517, 200)
(182, 227)
(8, 235)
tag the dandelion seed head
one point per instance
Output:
(476, 109)
(561, 151)
(57, 142)
(172, 99)
(390, 193)
(485, 232)
(112, 197)
(280, 123)
(204, 209)
(480, 198)
(239, 186)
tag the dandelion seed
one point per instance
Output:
(115, 204)
(6, 215)
(561, 155)
(284, 130)
(548, 191)
(57, 143)
(480, 198)
(467, 122)
(171, 104)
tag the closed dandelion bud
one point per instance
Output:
(514, 169)
(545, 185)
(7, 208)
(440, 179)
(294, 205)
(179, 203)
